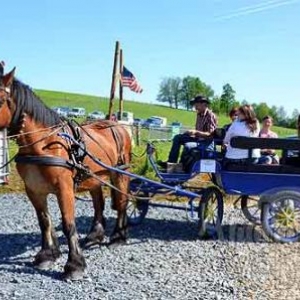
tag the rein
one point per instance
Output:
(39, 140)
(140, 155)
(7, 163)
(15, 136)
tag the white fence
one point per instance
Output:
(4, 157)
(155, 133)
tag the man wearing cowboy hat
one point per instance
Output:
(206, 123)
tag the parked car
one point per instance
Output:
(96, 115)
(176, 124)
(152, 122)
(126, 117)
(138, 122)
(161, 120)
(61, 110)
(76, 112)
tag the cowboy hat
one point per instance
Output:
(199, 99)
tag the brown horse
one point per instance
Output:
(47, 163)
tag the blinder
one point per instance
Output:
(6, 97)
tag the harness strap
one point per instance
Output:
(120, 145)
(44, 160)
(76, 153)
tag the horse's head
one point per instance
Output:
(6, 109)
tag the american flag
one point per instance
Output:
(128, 79)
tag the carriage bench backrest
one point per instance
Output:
(250, 143)
(219, 135)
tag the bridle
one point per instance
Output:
(16, 122)
(6, 97)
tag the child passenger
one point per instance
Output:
(268, 156)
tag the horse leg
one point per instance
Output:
(97, 230)
(120, 200)
(75, 265)
(50, 247)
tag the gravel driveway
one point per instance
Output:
(162, 260)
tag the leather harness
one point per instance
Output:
(77, 153)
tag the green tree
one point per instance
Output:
(244, 102)
(191, 87)
(273, 114)
(227, 98)
(216, 105)
(169, 91)
(295, 114)
(262, 110)
(282, 116)
(294, 119)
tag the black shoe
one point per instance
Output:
(162, 164)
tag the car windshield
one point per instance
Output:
(157, 121)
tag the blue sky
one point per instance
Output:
(69, 45)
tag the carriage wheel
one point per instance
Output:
(137, 208)
(211, 209)
(281, 217)
(250, 208)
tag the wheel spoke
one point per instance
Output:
(251, 209)
(211, 211)
(137, 208)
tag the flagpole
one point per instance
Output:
(120, 85)
(113, 80)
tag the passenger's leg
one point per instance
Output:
(178, 140)
(265, 160)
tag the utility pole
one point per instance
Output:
(120, 85)
(113, 80)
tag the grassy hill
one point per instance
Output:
(140, 110)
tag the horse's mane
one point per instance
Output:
(27, 101)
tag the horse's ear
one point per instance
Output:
(8, 78)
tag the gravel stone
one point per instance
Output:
(163, 258)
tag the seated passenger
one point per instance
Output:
(246, 125)
(268, 156)
(233, 115)
(206, 123)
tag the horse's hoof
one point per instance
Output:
(88, 243)
(45, 259)
(92, 240)
(44, 265)
(73, 275)
(117, 240)
(95, 237)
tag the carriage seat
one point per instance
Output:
(259, 168)
(219, 135)
(251, 143)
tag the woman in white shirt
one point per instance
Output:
(246, 125)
